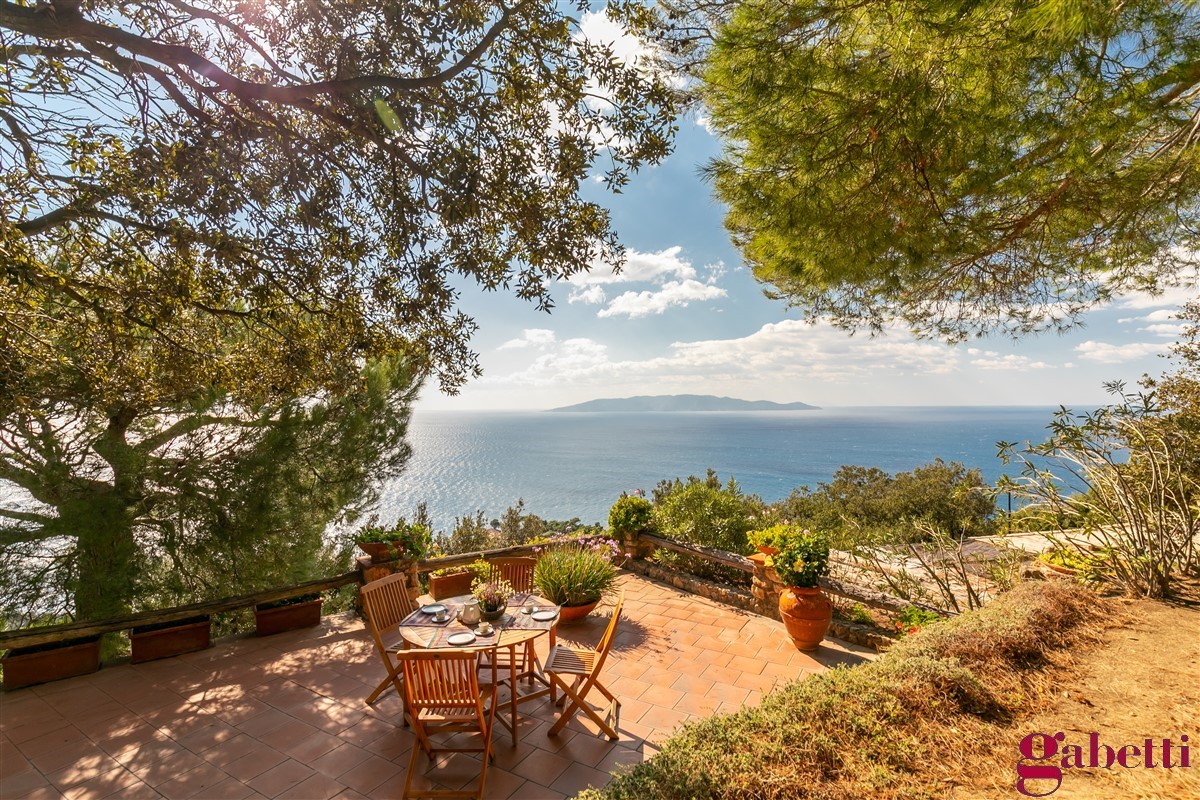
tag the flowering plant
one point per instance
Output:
(577, 571)
(492, 593)
(802, 559)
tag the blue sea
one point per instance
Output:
(568, 465)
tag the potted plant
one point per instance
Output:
(802, 559)
(454, 581)
(166, 639)
(576, 574)
(288, 614)
(26, 666)
(411, 540)
(768, 540)
(492, 594)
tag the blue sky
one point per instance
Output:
(686, 317)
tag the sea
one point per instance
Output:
(576, 464)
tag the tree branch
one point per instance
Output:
(68, 23)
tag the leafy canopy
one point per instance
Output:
(312, 179)
(964, 166)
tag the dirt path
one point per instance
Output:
(1143, 682)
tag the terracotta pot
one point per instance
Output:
(767, 550)
(443, 586)
(381, 552)
(576, 613)
(806, 613)
(270, 621)
(186, 636)
(30, 665)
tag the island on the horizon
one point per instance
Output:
(683, 402)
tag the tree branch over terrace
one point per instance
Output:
(55, 22)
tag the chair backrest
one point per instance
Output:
(517, 571)
(385, 602)
(610, 633)
(441, 678)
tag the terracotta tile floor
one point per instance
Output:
(284, 717)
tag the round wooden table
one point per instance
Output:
(515, 629)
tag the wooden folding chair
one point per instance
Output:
(584, 667)
(519, 574)
(517, 571)
(443, 695)
(385, 603)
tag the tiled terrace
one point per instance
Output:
(284, 716)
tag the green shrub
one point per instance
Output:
(706, 513)
(868, 731)
(630, 513)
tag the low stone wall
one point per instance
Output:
(729, 595)
(864, 635)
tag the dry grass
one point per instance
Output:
(907, 725)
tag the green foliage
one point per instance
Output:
(630, 513)
(469, 534)
(171, 172)
(857, 613)
(414, 539)
(802, 559)
(517, 527)
(961, 166)
(576, 572)
(912, 619)
(1133, 485)
(775, 536)
(146, 507)
(867, 731)
(862, 503)
(705, 512)
(480, 568)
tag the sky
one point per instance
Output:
(686, 316)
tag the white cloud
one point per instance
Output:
(592, 295)
(530, 337)
(1172, 297)
(672, 293)
(995, 361)
(790, 350)
(1171, 330)
(639, 267)
(596, 27)
(1117, 353)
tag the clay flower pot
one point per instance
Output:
(443, 586)
(269, 621)
(151, 642)
(576, 613)
(806, 613)
(382, 552)
(44, 663)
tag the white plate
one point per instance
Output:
(432, 609)
(544, 616)
(466, 637)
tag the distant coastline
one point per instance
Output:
(673, 403)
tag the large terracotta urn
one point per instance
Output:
(806, 613)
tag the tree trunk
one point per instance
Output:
(106, 555)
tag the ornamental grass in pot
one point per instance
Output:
(576, 574)
(802, 560)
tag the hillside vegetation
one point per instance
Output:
(906, 725)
